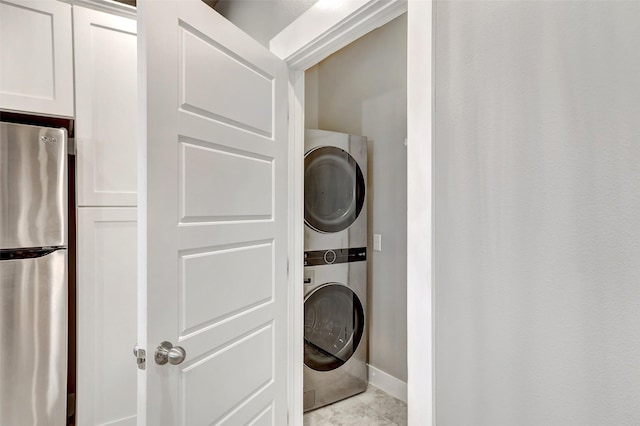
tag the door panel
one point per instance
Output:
(243, 180)
(203, 59)
(36, 57)
(212, 200)
(106, 294)
(201, 301)
(254, 351)
(106, 107)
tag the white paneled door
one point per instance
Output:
(213, 206)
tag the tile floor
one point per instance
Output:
(371, 408)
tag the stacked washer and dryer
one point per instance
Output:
(335, 267)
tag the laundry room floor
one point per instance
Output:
(371, 408)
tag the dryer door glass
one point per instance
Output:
(333, 326)
(333, 189)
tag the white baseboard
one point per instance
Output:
(387, 383)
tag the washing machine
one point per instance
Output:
(335, 193)
(335, 330)
(335, 267)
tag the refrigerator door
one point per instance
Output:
(33, 186)
(33, 338)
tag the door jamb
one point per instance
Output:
(325, 28)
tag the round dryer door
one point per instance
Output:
(334, 189)
(333, 326)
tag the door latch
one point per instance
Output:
(141, 357)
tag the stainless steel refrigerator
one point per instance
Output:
(33, 275)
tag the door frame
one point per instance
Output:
(325, 28)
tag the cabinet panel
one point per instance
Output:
(106, 100)
(36, 71)
(107, 316)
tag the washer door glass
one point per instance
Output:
(333, 189)
(333, 326)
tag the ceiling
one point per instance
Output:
(211, 3)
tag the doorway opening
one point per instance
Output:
(362, 90)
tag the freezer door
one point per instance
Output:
(33, 338)
(33, 186)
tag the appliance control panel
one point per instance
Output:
(332, 256)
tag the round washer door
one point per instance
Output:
(333, 326)
(334, 189)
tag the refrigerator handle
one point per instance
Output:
(71, 146)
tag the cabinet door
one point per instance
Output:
(36, 71)
(106, 100)
(106, 316)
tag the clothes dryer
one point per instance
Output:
(335, 331)
(335, 190)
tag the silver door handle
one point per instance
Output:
(166, 352)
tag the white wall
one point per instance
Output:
(262, 19)
(362, 90)
(537, 213)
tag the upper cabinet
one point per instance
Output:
(106, 107)
(36, 62)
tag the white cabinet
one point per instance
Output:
(105, 132)
(38, 58)
(106, 107)
(36, 63)
(107, 332)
